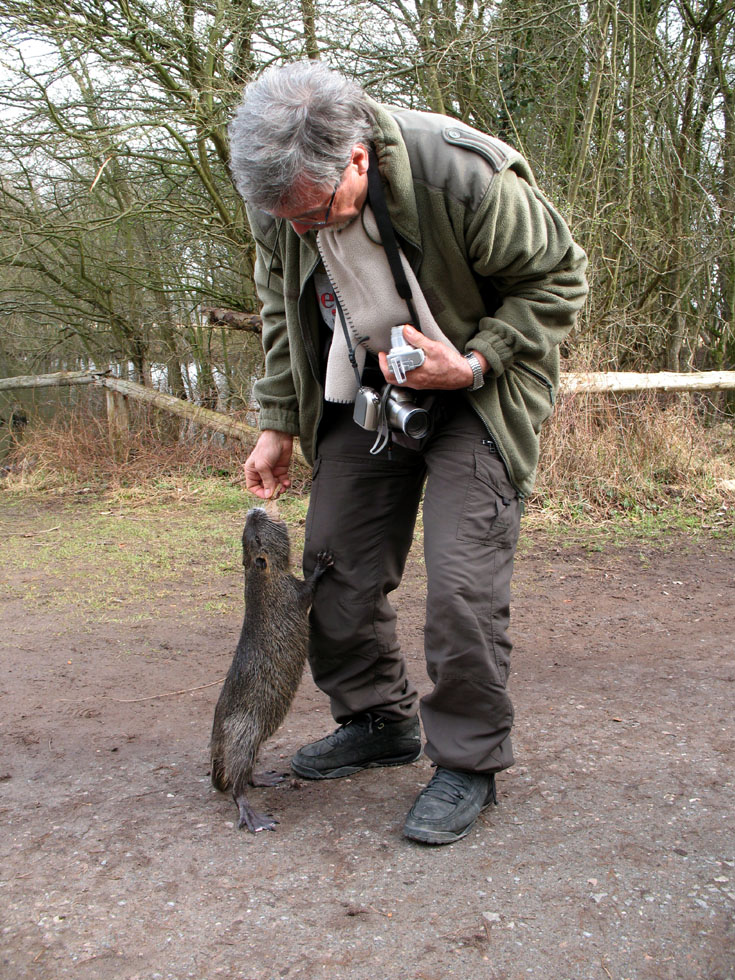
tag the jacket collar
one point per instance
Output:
(395, 169)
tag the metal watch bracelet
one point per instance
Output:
(478, 378)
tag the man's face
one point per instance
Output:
(313, 207)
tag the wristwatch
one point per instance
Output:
(478, 378)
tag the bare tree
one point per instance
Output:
(119, 220)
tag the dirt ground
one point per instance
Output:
(611, 853)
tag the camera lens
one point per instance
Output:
(404, 416)
(416, 423)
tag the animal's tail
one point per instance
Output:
(219, 777)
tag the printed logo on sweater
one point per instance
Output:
(325, 298)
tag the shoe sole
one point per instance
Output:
(307, 773)
(424, 836)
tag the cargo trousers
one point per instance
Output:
(363, 509)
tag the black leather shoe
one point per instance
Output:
(446, 809)
(364, 742)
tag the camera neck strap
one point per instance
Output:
(350, 348)
(383, 437)
(376, 197)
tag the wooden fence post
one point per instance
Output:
(117, 423)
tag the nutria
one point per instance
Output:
(268, 662)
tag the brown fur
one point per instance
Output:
(268, 663)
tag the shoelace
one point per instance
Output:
(339, 734)
(446, 785)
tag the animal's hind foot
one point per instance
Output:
(252, 820)
(269, 778)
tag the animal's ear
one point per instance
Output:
(261, 562)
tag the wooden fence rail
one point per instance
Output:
(571, 383)
(187, 410)
(59, 380)
(118, 390)
(623, 381)
(195, 413)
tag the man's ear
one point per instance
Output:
(360, 158)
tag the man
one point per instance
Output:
(494, 282)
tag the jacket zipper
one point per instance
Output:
(539, 377)
(312, 355)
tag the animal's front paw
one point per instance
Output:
(324, 560)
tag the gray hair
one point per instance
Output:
(298, 121)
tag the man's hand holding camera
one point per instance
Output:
(443, 368)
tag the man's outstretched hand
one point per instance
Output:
(266, 468)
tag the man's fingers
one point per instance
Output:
(414, 337)
(267, 466)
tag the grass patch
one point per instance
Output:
(96, 552)
(115, 553)
(646, 462)
(109, 559)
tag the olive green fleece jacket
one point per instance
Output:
(496, 263)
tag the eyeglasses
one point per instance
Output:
(325, 220)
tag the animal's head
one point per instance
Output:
(265, 542)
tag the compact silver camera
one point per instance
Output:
(367, 409)
(401, 356)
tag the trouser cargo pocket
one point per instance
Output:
(491, 511)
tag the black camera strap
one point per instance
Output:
(388, 236)
(350, 348)
(383, 436)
